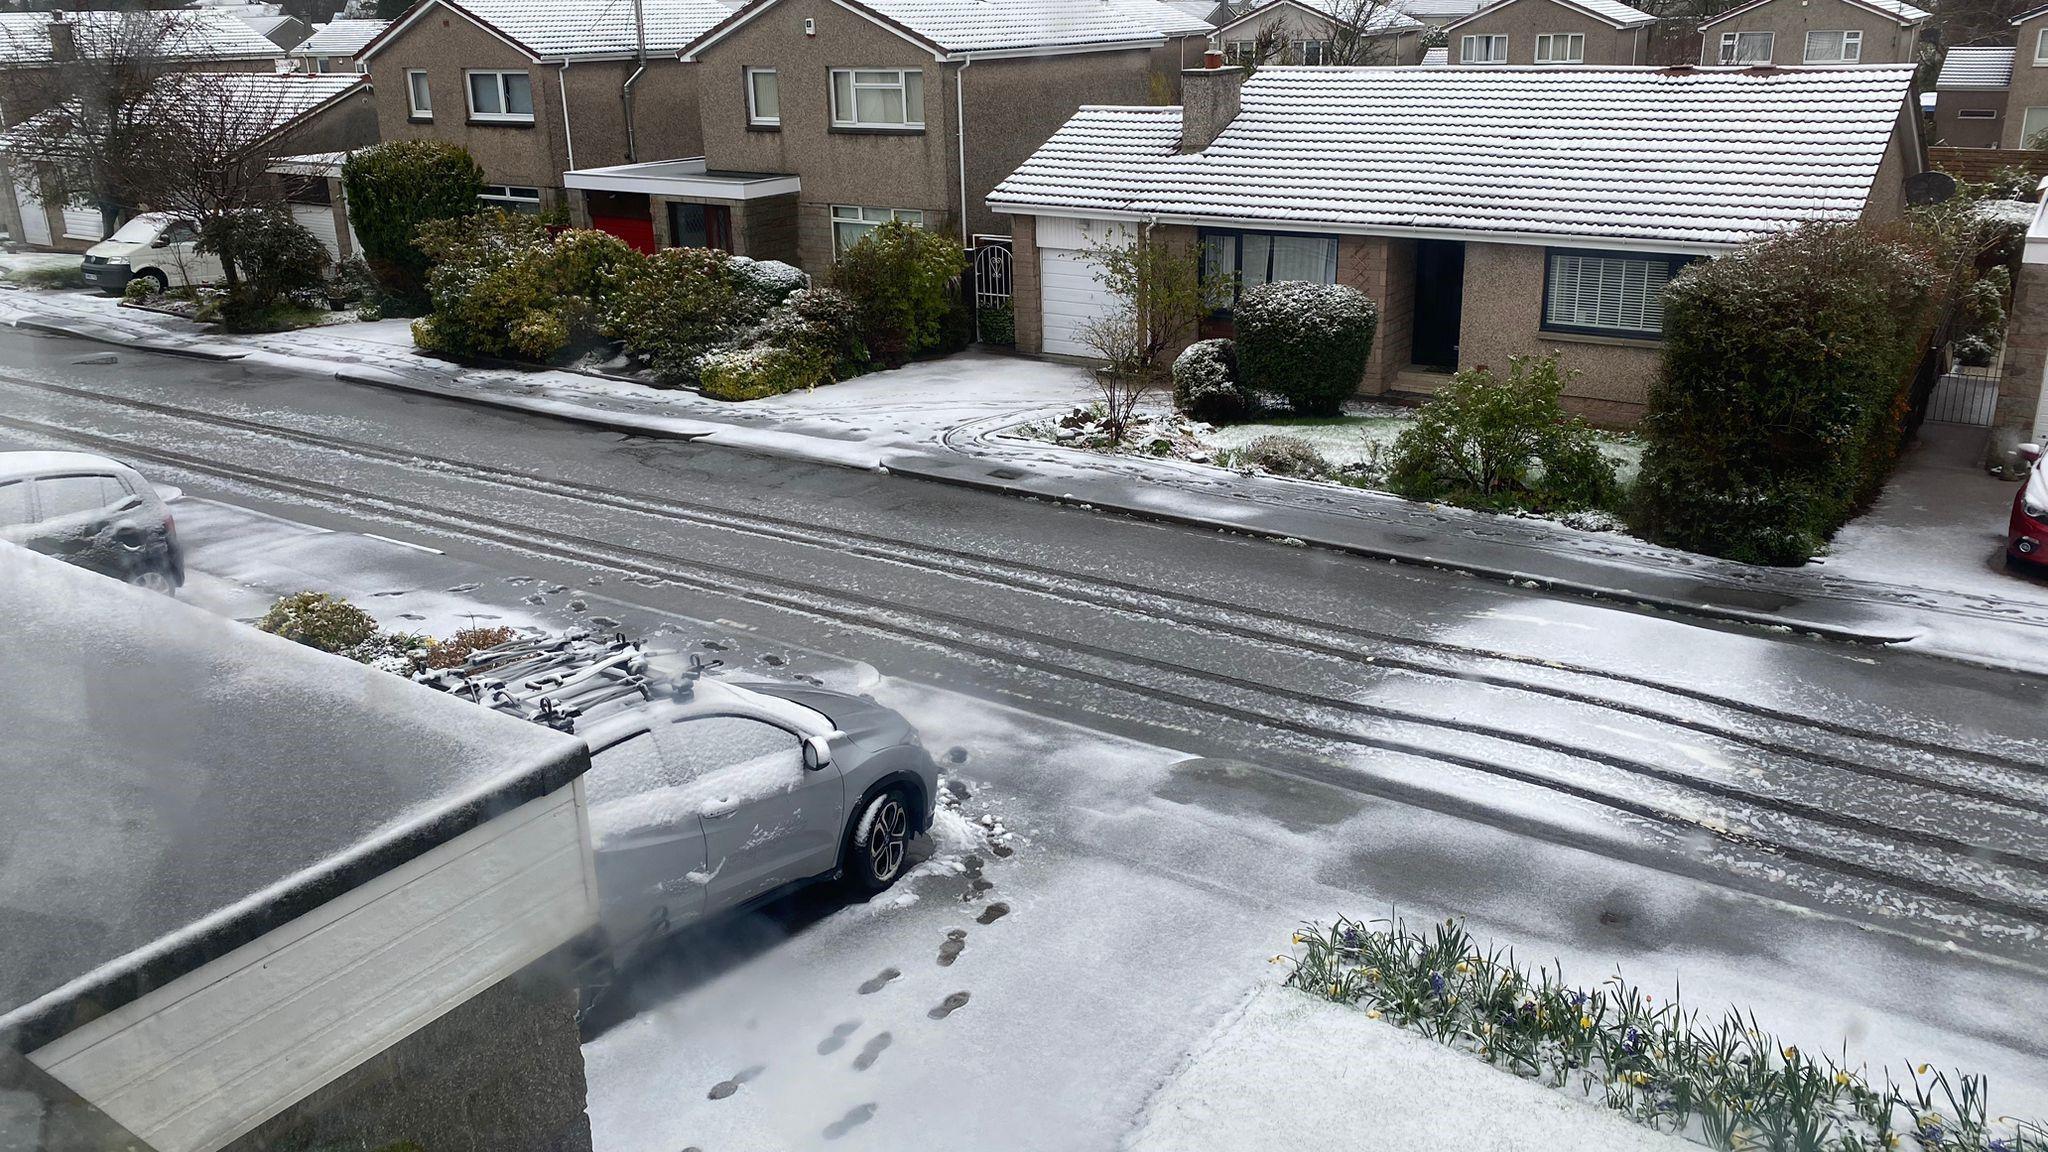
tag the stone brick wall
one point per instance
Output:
(502, 1071)
(2017, 417)
(1024, 301)
(1383, 269)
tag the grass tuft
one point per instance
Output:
(1723, 1082)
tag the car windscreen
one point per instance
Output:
(140, 230)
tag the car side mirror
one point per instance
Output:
(2029, 451)
(817, 753)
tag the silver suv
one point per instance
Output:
(94, 512)
(705, 795)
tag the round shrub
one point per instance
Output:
(1283, 455)
(1205, 383)
(1491, 441)
(757, 372)
(392, 189)
(318, 620)
(139, 290)
(1306, 342)
(768, 282)
(821, 320)
(502, 285)
(901, 279)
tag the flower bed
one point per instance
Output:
(1721, 1082)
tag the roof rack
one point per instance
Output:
(553, 679)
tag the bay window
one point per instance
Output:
(877, 98)
(1607, 293)
(1233, 261)
(502, 97)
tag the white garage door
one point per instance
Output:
(35, 223)
(1070, 295)
(84, 224)
(319, 220)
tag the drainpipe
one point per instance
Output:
(626, 92)
(960, 126)
(568, 134)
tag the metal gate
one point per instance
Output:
(994, 320)
(1964, 395)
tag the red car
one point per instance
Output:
(2026, 541)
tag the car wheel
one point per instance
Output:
(156, 580)
(880, 843)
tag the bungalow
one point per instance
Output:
(337, 46)
(1322, 32)
(822, 119)
(1970, 96)
(262, 898)
(1490, 211)
(1551, 32)
(1814, 33)
(533, 90)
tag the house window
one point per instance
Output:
(322, 64)
(1483, 50)
(1313, 51)
(2033, 122)
(700, 225)
(1607, 293)
(501, 97)
(512, 197)
(417, 91)
(850, 223)
(1976, 113)
(864, 98)
(1746, 47)
(1834, 47)
(1561, 48)
(1233, 261)
(764, 97)
(2041, 48)
(1241, 51)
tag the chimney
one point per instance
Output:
(63, 41)
(1208, 101)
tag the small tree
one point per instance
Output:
(1360, 32)
(1158, 301)
(394, 188)
(904, 282)
(274, 254)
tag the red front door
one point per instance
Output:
(638, 232)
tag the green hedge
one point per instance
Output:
(1785, 380)
(680, 304)
(394, 188)
(1305, 342)
(754, 373)
(503, 286)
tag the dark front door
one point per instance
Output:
(700, 225)
(1439, 297)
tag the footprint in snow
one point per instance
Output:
(871, 1052)
(536, 598)
(837, 1039)
(948, 1006)
(854, 1118)
(993, 913)
(956, 942)
(604, 622)
(400, 592)
(724, 1088)
(773, 661)
(879, 981)
(463, 588)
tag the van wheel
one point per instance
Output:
(162, 282)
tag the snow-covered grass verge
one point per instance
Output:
(1723, 1082)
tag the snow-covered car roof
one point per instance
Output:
(178, 784)
(707, 697)
(14, 465)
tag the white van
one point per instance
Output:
(159, 246)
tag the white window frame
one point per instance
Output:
(2038, 116)
(754, 116)
(1240, 51)
(1637, 281)
(850, 117)
(2041, 48)
(1852, 47)
(1731, 47)
(1574, 48)
(515, 196)
(1466, 44)
(1323, 50)
(504, 95)
(865, 219)
(415, 84)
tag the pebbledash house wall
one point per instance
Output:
(1010, 106)
(1953, 130)
(1397, 48)
(448, 45)
(1524, 20)
(2029, 83)
(1884, 41)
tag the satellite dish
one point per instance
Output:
(1924, 188)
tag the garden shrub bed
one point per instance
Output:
(1721, 1081)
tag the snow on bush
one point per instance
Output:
(1306, 342)
(1282, 455)
(821, 320)
(769, 281)
(1488, 440)
(759, 371)
(1205, 383)
(318, 620)
(680, 304)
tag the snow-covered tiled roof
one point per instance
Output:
(1611, 11)
(341, 37)
(1965, 67)
(245, 106)
(1198, 9)
(179, 34)
(961, 27)
(1439, 11)
(1436, 57)
(1691, 157)
(1897, 10)
(1378, 18)
(554, 29)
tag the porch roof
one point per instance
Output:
(684, 177)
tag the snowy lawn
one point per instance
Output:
(42, 269)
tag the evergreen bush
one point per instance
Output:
(395, 187)
(680, 304)
(1205, 385)
(502, 285)
(761, 371)
(901, 279)
(1491, 441)
(1306, 342)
